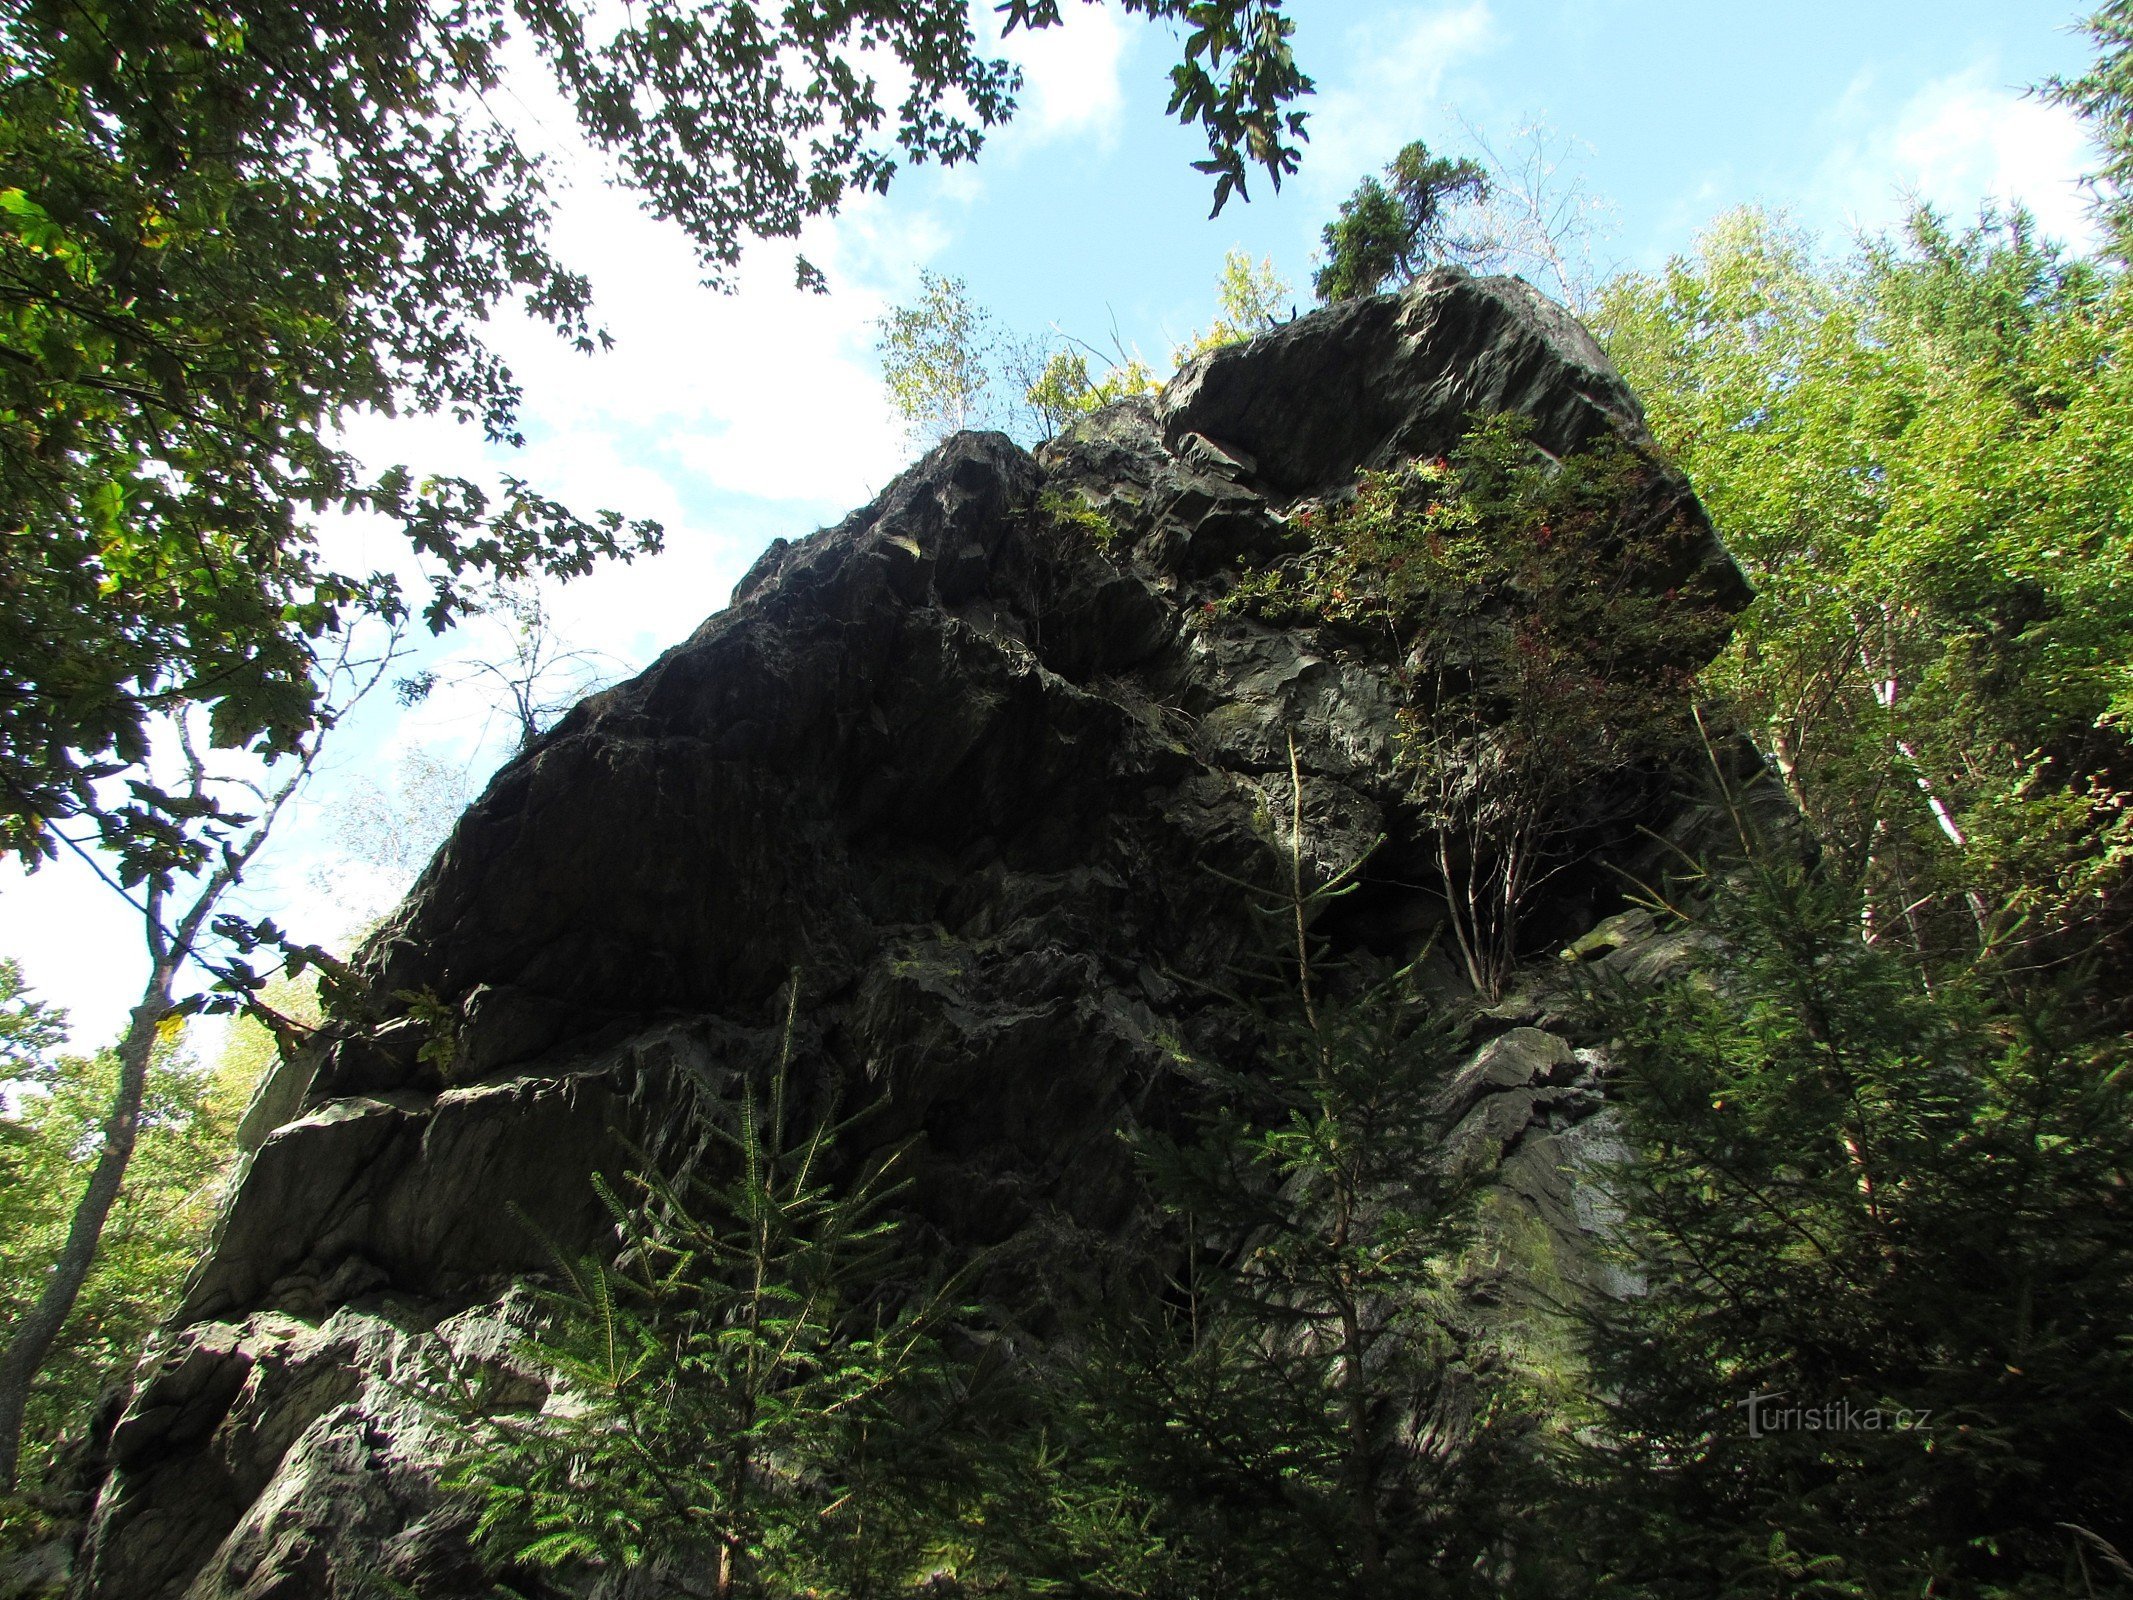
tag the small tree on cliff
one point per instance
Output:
(1250, 297)
(939, 357)
(738, 1395)
(1392, 231)
(1283, 1406)
(948, 365)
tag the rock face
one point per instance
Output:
(959, 767)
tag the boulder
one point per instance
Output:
(978, 769)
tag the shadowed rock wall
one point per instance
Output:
(961, 763)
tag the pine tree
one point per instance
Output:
(736, 1397)
(1288, 1405)
(1883, 1225)
(1391, 232)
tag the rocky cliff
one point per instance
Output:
(960, 763)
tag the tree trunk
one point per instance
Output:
(169, 948)
(1361, 1456)
(34, 1336)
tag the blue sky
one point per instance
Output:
(734, 419)
(1683, 110)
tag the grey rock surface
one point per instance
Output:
(1400, 376)
(969, 767)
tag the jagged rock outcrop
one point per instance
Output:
(962, 764)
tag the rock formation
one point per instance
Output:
(961, 763)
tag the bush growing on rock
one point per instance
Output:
(1549, 645)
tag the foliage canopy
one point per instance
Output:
(1918, 459)
(1895, 1207)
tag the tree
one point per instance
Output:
(1521, 207)
(537, 674)
(1303, 1394)
(178, 920)
(948, 365)
(1249, 298)
(157, 1227)
(1537, 218)
(2104, 95)
(1392, 234)
(1887, 1270)
(385, 828)
(218, 234)
(734, 1374)
(224, 229)
(28, 1027)
(251, 1048)
(1064, 388)
(939, 359)
(384, 831)
(1916, 459)
(393, 831)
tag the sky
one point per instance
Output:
(734, 419)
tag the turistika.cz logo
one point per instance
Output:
(1768, 1413)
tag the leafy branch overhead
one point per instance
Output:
(1237, 79)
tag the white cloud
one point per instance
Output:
(729, 418)
(688, 360)
(78, 944)
(1954, 143)
(1070, 77)
(1391, 75)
